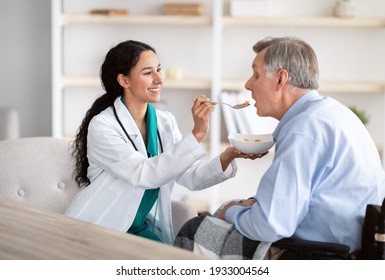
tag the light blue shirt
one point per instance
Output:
(326, 169)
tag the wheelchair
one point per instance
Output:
(372, 243)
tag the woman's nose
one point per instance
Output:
(158, 78)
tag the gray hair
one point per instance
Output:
(295, 56)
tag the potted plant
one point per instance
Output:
(361, 114)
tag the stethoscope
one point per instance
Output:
(136, 149)
(129, 138)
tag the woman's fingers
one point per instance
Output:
(201, 111)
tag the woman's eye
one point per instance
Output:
(159, 70)
(147, 73)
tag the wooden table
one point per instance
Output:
(28, 233)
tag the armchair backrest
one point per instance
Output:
(37, 171)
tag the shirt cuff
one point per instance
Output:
(233, 212)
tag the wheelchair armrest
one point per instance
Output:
(306, 249)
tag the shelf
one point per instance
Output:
(269, 21)
(351, 87)
(135, 19)
(69, 81)
(280, 21)
(227, 20)
(186, 83)
(237, 85)
(325, 86)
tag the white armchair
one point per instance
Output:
(38, 171)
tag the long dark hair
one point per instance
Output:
(119, 60)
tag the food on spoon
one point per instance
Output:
(242, 105)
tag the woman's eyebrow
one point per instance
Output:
(149, 67)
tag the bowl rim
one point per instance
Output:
(233, 134)
(251, 146)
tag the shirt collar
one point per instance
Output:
(294, 109)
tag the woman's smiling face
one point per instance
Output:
(146, 79)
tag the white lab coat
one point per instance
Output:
(119, 175)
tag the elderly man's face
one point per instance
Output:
(262, 87)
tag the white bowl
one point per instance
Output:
(247, 143)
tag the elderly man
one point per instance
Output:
(326, 167)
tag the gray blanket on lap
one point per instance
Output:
(218, 239)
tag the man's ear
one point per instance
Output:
(282, 76)
(123, 81)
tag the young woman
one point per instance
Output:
(128, 155)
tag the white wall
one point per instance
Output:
(25, 69)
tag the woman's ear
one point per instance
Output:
(123, 81)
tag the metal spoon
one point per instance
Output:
(236, 106)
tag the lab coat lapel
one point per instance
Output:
(130, 126)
